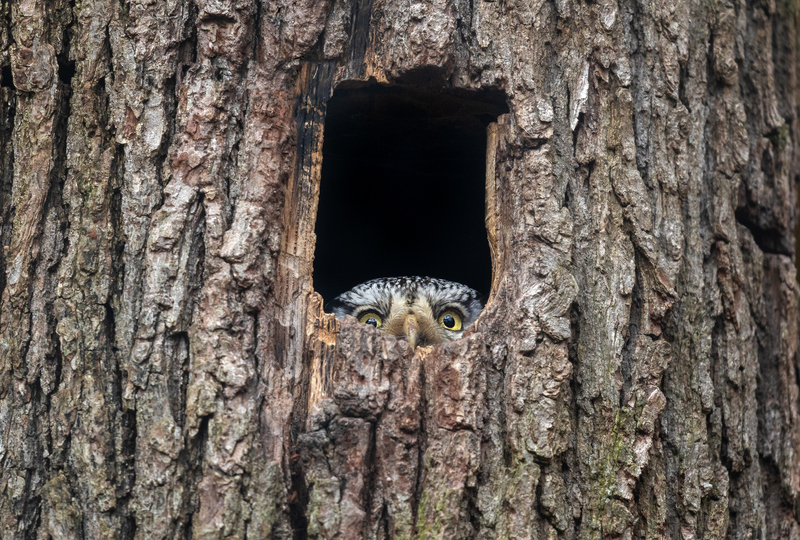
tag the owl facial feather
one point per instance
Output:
(395, 299)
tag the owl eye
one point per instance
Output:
(371, 318)
(450, 320)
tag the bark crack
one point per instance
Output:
(422, 445)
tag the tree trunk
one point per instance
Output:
(167, 371)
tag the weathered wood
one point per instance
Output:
(167, 370)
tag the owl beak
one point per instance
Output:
(411, 330)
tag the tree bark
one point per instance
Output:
(167, 371)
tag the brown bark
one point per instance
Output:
(167, 371)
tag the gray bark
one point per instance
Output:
(167, 371)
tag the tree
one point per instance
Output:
(167, 370)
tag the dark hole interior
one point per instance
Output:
(403, 187)
(6, 77)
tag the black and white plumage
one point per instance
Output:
(424, 310)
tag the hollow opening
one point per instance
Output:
(6, 77)
(403, 186)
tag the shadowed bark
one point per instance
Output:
(167, 370)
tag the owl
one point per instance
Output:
(424, 310)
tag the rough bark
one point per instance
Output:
(167, 371)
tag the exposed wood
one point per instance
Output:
(167, 370)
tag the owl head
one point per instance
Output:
(424, 310)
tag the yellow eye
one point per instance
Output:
(371, 318)
(450, 320)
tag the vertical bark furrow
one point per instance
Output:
(767, 204)
(179, 293)
(98, 453)
(33, 241)
(778, 396)
(623, 260)
(148, 58)
(6, 140)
